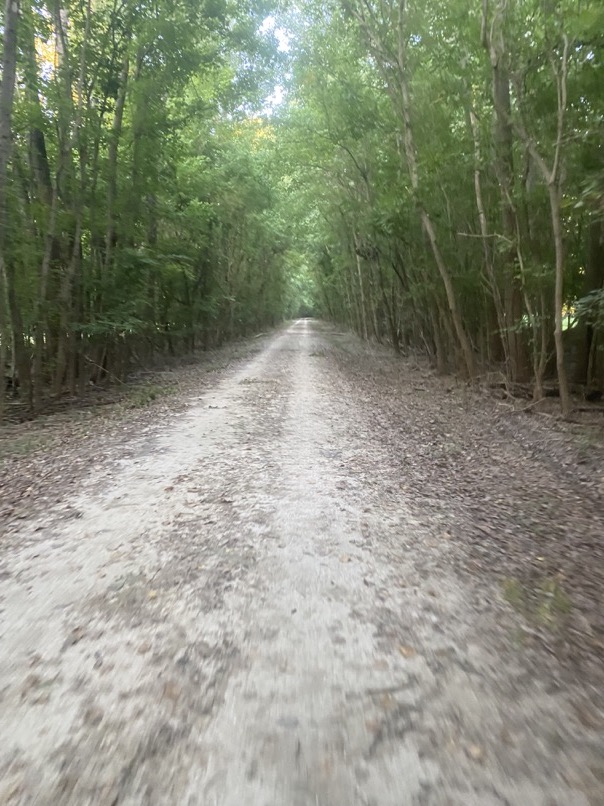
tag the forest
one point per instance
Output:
(174, 174)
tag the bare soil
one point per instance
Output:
(307, 573)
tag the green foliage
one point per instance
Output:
(143, 200)
(590, 309)
(364, 80)
(157, 203)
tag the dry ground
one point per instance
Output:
(317, 576)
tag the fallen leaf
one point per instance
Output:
(587, 715)
(475, 752)
(75, 636)
(172, 690)
(407, 651)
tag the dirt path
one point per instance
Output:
(250, 613)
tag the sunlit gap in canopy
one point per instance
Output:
(270, 27)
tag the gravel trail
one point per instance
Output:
(250, 613)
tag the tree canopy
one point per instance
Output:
(173, 174)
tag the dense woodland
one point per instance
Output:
(136, 195)
(175, 173)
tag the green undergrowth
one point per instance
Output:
(543, 602)
(22, 444)
(144, 395)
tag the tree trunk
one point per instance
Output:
(362, 304)
(503, 139)
(552, 177)
(592, 280)
(65, 301)
(7, 92)
(486, 248)
(426, 220)
(40, 313)
(116, 133)
(554, 198)
(394, 70)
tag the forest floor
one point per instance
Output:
(313, 575)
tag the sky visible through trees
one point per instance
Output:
(177, 173)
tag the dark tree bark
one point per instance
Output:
(7, 92)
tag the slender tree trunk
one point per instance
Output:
(65, 306)
(503, 138)
(554, 199)
(40, 313)
(393, 66)
(552, 177)
(116, 133)
(426, 220)
(64, 337)
(362, 302)
(7, 92)
(484, 231)
(441, 358)
(462, 337)
(593, 280)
